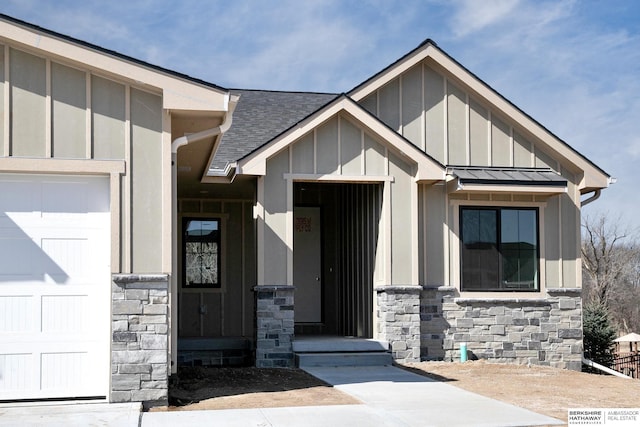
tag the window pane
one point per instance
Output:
(201, 253)
(499, 249)
(480, 257)
(518, 246)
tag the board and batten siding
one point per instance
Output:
(455, 127)
(450, 124)
(338, 150)
(228, 311)
(64, 111)
(559, 232)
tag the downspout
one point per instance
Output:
(231, 101)
(596, 196)
(207, 133)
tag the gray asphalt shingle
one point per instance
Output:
(262, 115)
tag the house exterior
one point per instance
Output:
(143, 209)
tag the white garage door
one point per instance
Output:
(54, 287)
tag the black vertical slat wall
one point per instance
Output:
(359, 220)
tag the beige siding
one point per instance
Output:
(146, 176)
(389, 104)
(441, 117)
(28, 76)
(374, 157)
(456, 125)
(401, 205)
(434, 114)
(543, 160)
(370, 103)
(350, 148)
(435, 219)
(69, 112)
(412, 105)
(108, 118)
(478, 134)
(2, 110)
(275, 224)
(302, 155)
(570, 232)
(521, 151)
(327, 147)
(500, 143)
(552, 242)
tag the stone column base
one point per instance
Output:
(274, 326)
(398, 318)
(139, 344)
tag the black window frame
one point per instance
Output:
(500, 249)
(215, 238)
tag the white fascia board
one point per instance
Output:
(367, 88)
(178, 93)
(428, 169)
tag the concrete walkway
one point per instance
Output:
(391, 397)
(70, 414)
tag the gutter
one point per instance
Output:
(596, 196)
(207, 133)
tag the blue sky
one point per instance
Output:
(572, 65)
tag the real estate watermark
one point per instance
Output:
(625, 417)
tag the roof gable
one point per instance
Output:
(462, 91)
(427, 169)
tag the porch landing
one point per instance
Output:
(317, 351)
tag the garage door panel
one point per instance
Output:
(19, 259)
(64, 371)
(19, 196)
(65, 313)
(69, 257)
(16, 314)
(16, 373)
(55, 200)
(54, 287)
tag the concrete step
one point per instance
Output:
(360, 358)
(338, 345)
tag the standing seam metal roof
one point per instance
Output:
(512, 176)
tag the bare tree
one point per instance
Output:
(611, 269)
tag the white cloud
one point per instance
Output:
(472, 15)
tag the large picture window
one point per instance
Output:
(201, 249)
(499, 249)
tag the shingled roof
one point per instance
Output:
(261, 116)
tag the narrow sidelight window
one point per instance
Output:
(499, 250)
(201, 249)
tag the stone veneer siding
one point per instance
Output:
(542, 331)
(274, 326)
(398, 320)
(139, 343)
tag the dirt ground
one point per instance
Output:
(543, 390)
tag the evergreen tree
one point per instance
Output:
(598, 334)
